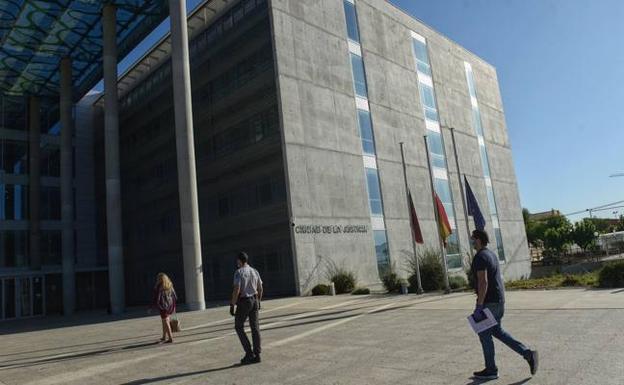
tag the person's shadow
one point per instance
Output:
(173, 376)
(476, 381)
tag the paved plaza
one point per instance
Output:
(377, 339)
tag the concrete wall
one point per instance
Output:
(322, 145)
(325, 172)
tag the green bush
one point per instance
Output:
(343, 279)
(391, 282)
(320, 289)
(344, 282)
(361, 291)
(570, 280)
(431, 270)
(612, 275)
(457, 282)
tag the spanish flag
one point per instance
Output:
(443, 223)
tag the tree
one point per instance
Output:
(526, 215)
(584, 233)
(620, 225)
(558, 233)
(535, 232)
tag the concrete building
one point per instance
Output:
(298, 109)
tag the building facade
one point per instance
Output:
(299, 107)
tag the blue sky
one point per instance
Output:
(560, 66)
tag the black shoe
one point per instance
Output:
(486, 374)
(533, 361)
(256, 359)
(248, 359)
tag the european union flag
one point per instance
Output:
(473, 207)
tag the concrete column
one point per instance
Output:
(111, 145)
(34, 181)
(185, 147)
(67, 201)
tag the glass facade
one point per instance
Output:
(365, 125)
(13, 156)
(485, 162)
(435, 142)
(352, 24)
(13, 248)
(13, 202)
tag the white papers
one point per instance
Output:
(485, 324)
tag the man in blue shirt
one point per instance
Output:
(491, 295)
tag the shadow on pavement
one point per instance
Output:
(174, 376)
(617, 291)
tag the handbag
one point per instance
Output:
(175, 323)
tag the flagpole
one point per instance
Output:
(437, 219)
(461, 186)
(419, 289)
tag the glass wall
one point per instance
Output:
(13, 202)
(435, 141)
(13, 248)
(13, 156)
(485, 162)
(365, 125)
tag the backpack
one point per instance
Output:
(166, 300)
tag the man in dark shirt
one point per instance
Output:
(491, 295)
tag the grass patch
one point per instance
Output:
(558, 280)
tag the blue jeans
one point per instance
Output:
(487, 343)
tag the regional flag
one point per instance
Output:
(418, 237)
(473, 207)
(443, 223)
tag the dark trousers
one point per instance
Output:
(487, 343)
(248, 307)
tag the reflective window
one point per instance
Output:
(352, 23)
(50, 161)
(359, 78)
(366, 132)
(51, 247)
(453, 254)
(422, 57)
(14, 157)
(491, 200)
(427, 97)
(381, 249)
(374, 192)
(50, 203)
(499, 244)
(13, 202)
(476, 121)
(13, 248)
(484, 161)
(471, 87)
(436, 149)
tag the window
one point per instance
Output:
(352, 23)
(366, 132)
(14, 157)
(13, 248)
(51, 247)
(499, 244)
(50, 203)
(476, 121)
(359, 78)
(436, 149)
(427, 97)
(381, 249)
(422, 57)
(453, 255)
(491, 200)
(374, 192)
(13, 202)
(443, 190)
(471, 87)
(484, 161)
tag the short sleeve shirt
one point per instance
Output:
(486, 260)
(247, 279)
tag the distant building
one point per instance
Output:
(545, 215)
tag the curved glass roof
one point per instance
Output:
(36, 34)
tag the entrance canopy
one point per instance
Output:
(36, 34)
